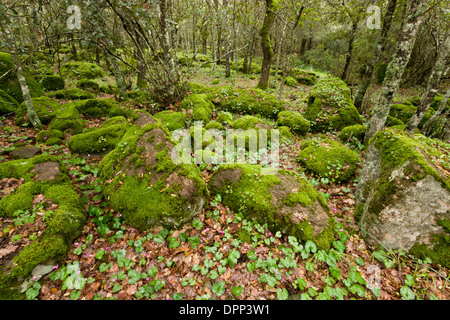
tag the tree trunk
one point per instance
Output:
(139, 53)
(426, 130)
(266, 45)
(396, 68)
(32, 114)
(351, 42)
(165, 44)
(443, 47)
(117, 71)
(379, 49)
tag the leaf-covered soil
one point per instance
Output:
(219, 255)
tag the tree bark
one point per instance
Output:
(443, 47)
(266, 45)
(378, 51)
(165, 44)
(351, 42)
(396, 68)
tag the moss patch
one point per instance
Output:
(50, 137)
(68, 119)
(7, 103)
(172, 120)
(45, 108)
(53, 83)
(71, 94)
(295, 121)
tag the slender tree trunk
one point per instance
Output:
(228, 39)
(379, 49)
(429, 125)
(396, 68)
(165, 44)
(351, 42)
(266, 45)
(443, 47)
(139, 53)
(117, 71)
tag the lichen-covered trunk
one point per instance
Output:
(266, 45)
(429, 124)
(396, 68)
(351, 42)
(32, 115)
(433, 83)
(378, 51)
(117, 71)
(140, 61)
(165, 44)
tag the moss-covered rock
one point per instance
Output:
(82, 70)
(197, 87)
(46, 109)
(404, 192)
(202, 108)
(88, 85)
(214, 125)
(353, 133)
(50, 137)
(405, 110)
(9, 82)
(172, 120)
(68, 119)
(7, 103)
(295, 121)
(42, 175)
(99, 140)
(224, 118)
(245, 101)
(437, 102)
(329, 159)
(71, 94)
(290, 81)
(53, 83)
(330, 106)
(96, 108)
(285, 201)
(304, 77)
(152, 189)
(391, 121)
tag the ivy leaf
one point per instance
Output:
(133, 276)
(237, 290)
(407, 293)
(218, 288)
(282, 294)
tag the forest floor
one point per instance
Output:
(212, 257)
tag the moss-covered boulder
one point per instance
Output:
(391, 121)
(224, 118)
(146, 186)
(45, 176)
(285, 201)
(82, 70)
(304, 77)
(53, 83)
(403, 111)
(245, 101)
(7, 103)
(353, 133)
(330, 106)
(71, 94)
(9, 82)
(328, 159)
(437, 103)
(68, 119)
(202, 108)
(295, 121)
(172, 120)
(214, 125)
(88, 85)
(99, 140)
(96, 108)
(46, 109)
(50, 137)
(403, 195)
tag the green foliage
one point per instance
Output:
(82, 70)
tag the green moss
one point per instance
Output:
(304, 77)
(197, 88)
(251, 194)
(68, 119)
(88, 85)
(97, 108)
(7, 103)
(82, 70)
(285, 133)
(246, 122)
(96, 141)
(71, 94)
(295, 121)
(113, 121)
(290, 81)
(224, 118)
(244, 236)
(53, 83)
(201, 107)
(247, 101)
(439, 251)
(117, 111)
(10, 83)
(50, 137)
(391, 121)
(353, 133)
(46, 109)
(329, 159)
(172, 120)
(214, 125)
(330, 106)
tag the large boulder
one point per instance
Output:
(330, 106)
(9, 82)
(403, 195)
(43, 178)
(283, 200)
(145, 185)
(7, 103)
(45, 107)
